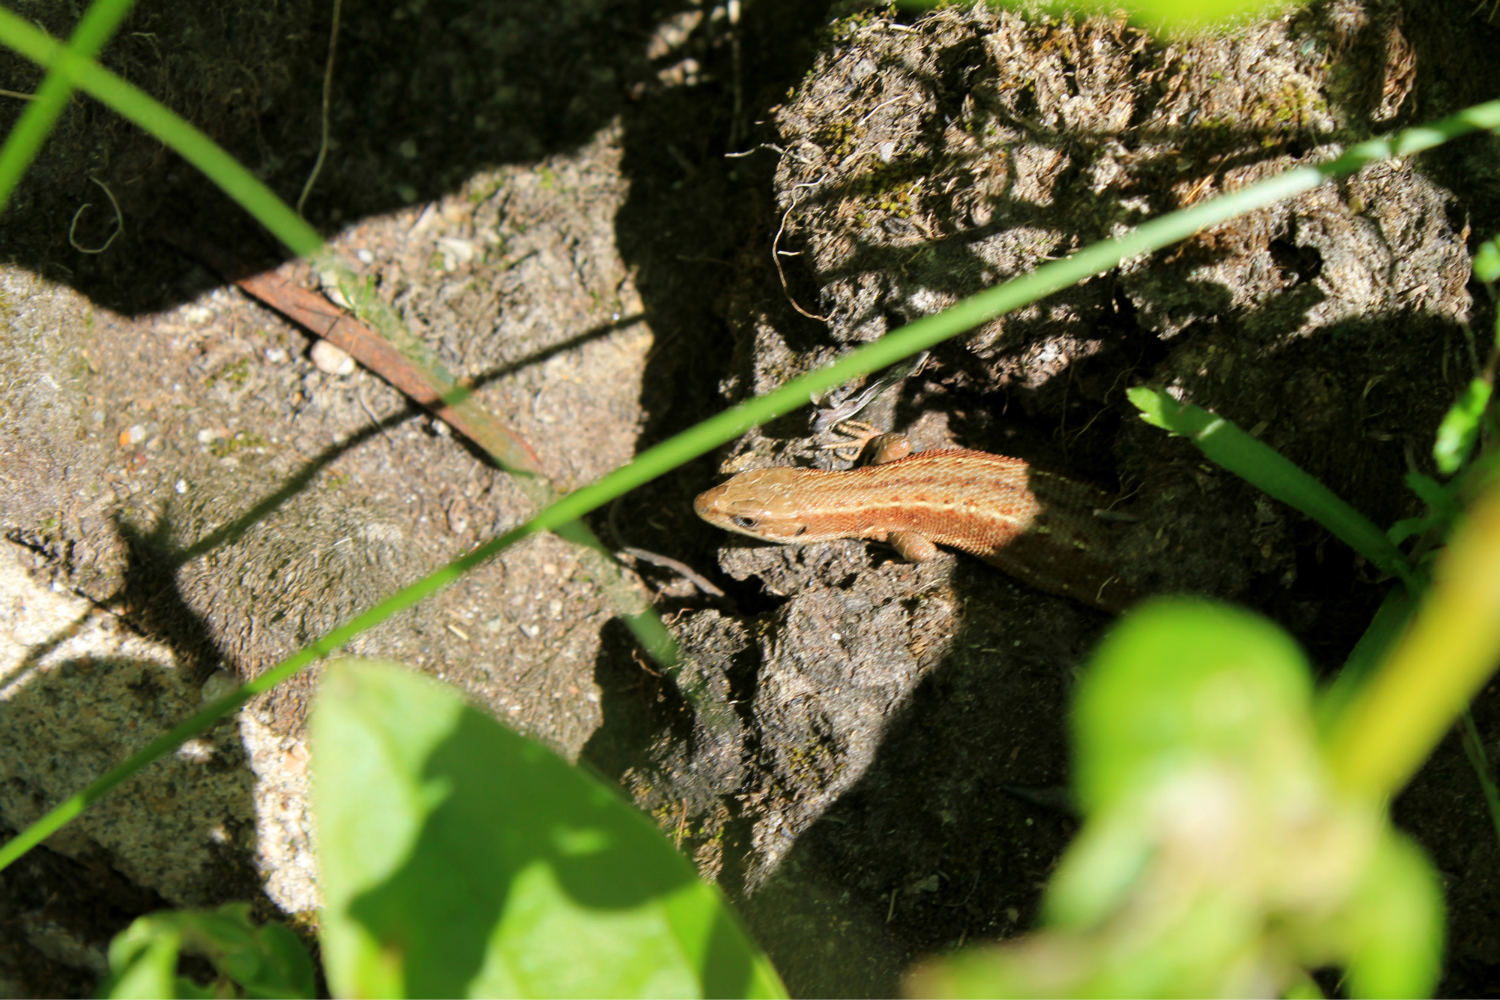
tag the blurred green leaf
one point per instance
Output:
(1487, 262)
(1409, 526)
(1395, 924)
(1180, 676)
(1168, 15)
(1460, 427)
(265, 961)
(1217, 857)
(460, 859)
(143, 961)
(1188, 13)
(1431, 492)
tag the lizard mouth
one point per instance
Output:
(708, 503)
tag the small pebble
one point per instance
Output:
(330, 281)
(199, 751)
(132, 435)
(219, 684)
(330, 359)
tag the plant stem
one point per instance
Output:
(1444, 658)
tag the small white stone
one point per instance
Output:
(276, 355)
(330, 359)
(329, 280)
(198, 751)
(455, 252)
(365, 256)
(219, 684)
(180, 486)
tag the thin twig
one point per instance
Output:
(119, 221)
(669, 563)
(776, 253)
(333, 42)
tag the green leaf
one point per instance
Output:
(1406, 527)
(267, 961)
(189, 990)
(1191, 14)
(1395, 924)
(1263, 467)
(1217, 856)
(1438, 498)
(1460, 427)
(1180, 676)
(1161, 15)
(460, 859)
(291, 967)
(143, 960)
(1487, 262)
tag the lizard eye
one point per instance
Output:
(744, 522)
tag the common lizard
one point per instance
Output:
(1038, 526)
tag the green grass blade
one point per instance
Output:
(94, 30)
(1265, 468)
(191, 144)
(1390, 621)
(1474, 750)
(711, 433)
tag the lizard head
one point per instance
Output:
(761, 503)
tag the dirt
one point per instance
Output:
(541, 191)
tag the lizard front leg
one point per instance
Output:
(911, 546)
